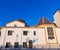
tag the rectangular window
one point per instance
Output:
(7, 44)
(10, 32)
(34, 32)
(25, 32)
(25, 44)
(50, 33)
(16, 44)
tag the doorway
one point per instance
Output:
(7, 44)
(24, 44)
(30, 44)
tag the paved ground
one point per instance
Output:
(29, 49)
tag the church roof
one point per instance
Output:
(44, 20)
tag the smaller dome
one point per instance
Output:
(43, 20)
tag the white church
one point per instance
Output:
(18, 34)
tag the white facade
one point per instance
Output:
(34, 36)
(57, 18)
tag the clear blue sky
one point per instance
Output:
(28, 10)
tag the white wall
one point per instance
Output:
(3, 31)
(49, 41)
(53, 41)
(58, 34)
(39, 37)
(57, 18)
(17, 23)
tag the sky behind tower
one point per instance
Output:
(28, 10)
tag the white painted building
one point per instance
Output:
(57, 18)
(18, 34)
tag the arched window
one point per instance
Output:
(50, 33)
